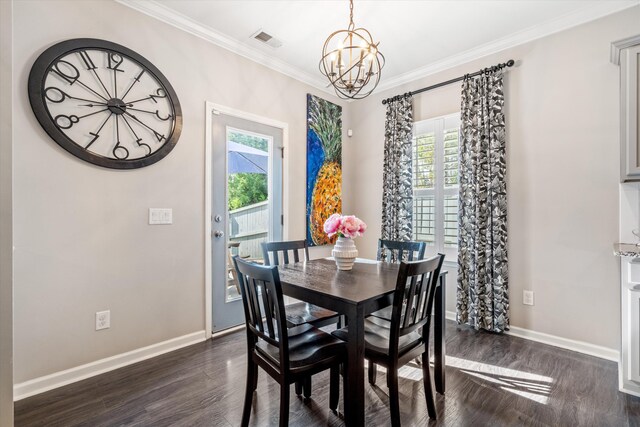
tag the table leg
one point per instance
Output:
(439, 338)
(354, 390)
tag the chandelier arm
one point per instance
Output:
(346, 71)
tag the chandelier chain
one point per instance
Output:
(351, 24)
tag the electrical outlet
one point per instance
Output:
(527, 297)
(103, 320)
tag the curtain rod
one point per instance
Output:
(509, 63)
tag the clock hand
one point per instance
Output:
(156, 113)
(71, 77)
(158, 136)
(138, 139)
(81, 84)
(84, 55)
(160, 93)
(103, 86)
(118, 146)
(63, 95)
(97, 134)
(136, 79)
(114, 61)
(91, 114)
(66, 122)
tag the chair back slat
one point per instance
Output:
(268, 310)
(263, 304)
(410, 313)
(396, 251)
(273, 251)
(413, 298)
(253, 305)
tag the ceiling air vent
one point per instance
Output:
(267, 39)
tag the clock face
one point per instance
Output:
(105, 103)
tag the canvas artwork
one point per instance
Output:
(324, 167)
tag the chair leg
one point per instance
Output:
(334, 387)
(372, 373)
(255, 377)
(248, 397)
(343, 366)
(284, 405)
(394, 403)
(428, 391)
(298, 388)
(306, 387)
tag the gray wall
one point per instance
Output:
(563, 158)
(6, 270)
(81, 234)
(82, 242)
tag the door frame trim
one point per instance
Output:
(210, 107)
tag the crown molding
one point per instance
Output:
(182, 22)
(173, 18)
(536, 32)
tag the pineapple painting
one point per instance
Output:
(324, 167)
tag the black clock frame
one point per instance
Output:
(37, 77)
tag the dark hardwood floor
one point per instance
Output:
(492, 380)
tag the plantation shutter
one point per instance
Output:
(435, 178)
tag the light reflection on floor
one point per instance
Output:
(525, 384)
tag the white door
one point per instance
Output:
(246, 205)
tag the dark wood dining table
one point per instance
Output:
(356, 293)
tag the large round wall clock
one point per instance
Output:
(105, 103)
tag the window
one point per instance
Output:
(435, 184)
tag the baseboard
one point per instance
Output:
(632, 391)
(227, 331)
(68, 376)
(568, 344)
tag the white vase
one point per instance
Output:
(345, 253)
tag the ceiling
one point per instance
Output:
(417, 38)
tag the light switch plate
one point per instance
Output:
(160, 216)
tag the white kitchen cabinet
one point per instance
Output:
(629, 367)
(626, 53)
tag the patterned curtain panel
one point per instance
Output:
(483, 301)
(397, 189)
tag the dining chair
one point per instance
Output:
(398, 251)
(299, 313)
(394, 344)
(288, 355)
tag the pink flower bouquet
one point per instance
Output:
(348, 226)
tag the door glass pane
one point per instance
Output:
(247, 198)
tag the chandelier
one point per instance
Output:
(351, 61)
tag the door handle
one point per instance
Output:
(218, 234)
